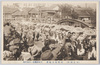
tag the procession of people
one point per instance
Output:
(42, 41)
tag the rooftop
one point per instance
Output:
(33, 10)
(9, 9)
(20, 13)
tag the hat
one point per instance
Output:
(67, 58)
(30, 42)
(11, 48)
(47, 55)
(15, 41)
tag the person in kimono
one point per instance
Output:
(92, 50)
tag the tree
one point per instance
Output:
(92, 14)
(56, 15)
(93, 19)
(74, 14)
(65, 10)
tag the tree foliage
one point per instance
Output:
(74, 14)
(65, 10)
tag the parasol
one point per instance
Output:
(90, 32)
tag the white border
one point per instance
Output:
(65, 62)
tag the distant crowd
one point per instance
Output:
(37, 41)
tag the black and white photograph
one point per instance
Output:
(50, 31)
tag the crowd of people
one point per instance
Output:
(41, 41)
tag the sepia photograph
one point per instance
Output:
(50, 31)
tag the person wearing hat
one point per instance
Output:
(14, 41)
(12, 52)
(51, 54)
(30, 42)
(46, 43)
(34, 50)
(15, 47)
(68, 49)
(7, 29)
(7, 34)
(25, 56)
(47, 55)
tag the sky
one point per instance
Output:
(82, 4)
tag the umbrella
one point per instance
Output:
(90, 32)
(57, 27)
(79, 29)
(86, 29)
(63, 29)
(69, 27)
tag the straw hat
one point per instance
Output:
(13, 47)
(15, 41)
(47, 55)
(30, 42)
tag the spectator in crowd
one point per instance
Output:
(31, 43)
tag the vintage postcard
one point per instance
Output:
(50, 32)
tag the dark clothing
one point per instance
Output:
(37, 36)
(46, 43)
(33, 35)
